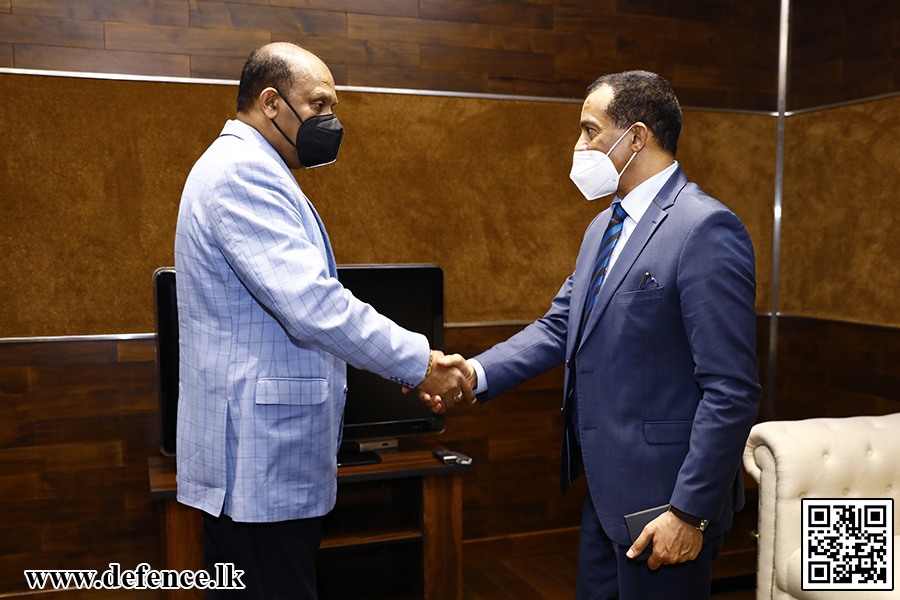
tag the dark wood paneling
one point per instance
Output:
(843, 51)
(361, 52)
(153, 12)
(418, 31)
(244, 17)
(493, 62)
(395, 8)
(77, 427)
(74, 487)
(489, 12)
(183, 40)
(416, 79)
(553, 48)
(6, 54)
(836, 369)
(30, 56)
(27, 29)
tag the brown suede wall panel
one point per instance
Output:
(732, 157)
(92, 172)
(839, 245)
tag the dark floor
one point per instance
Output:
(552, 577)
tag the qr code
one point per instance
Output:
(848, 544)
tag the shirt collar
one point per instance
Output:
(638, 200)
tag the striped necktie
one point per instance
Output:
(601, 266)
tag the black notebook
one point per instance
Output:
(635, 522)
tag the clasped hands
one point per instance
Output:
(450, 381)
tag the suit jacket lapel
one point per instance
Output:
(582, 276)
(655, 215)
(326, 243)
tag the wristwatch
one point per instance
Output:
(697, 522)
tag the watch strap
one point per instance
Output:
(696, 522)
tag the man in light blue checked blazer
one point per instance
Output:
(266, 332)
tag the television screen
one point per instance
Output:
(411, 295)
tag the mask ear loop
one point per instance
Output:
(633, 154)
(619, 140)
(295, 114)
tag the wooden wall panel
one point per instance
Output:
(395, 8)
(835, 369)
(79, 421)
(18, 28)
(30, 56)
(153, 12)
(489, 12)
(552, 48)
(183, 40)
(6, 55)
(843, 51)
(74, 488)
(246, 17)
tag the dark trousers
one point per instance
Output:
(278, 559)
(605, 573)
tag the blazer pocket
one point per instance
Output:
(668, 432)
(639, 296)
(291, 391)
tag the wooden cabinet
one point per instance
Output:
(396, 530)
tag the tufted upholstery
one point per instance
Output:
(854, 457)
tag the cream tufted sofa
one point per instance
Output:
(853, 457)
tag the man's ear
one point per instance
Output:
(267, 102)
(640, 136)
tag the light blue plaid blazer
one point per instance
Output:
(266, 332)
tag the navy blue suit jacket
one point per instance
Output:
(667, 377)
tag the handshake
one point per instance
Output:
(450, 379)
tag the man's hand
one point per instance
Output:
(674, 541)
(438, 402)
(455, 360)
(446, 384)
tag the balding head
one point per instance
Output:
(278, 65)
(282, 86)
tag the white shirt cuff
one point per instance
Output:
(482, 378)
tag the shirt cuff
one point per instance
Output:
(482, 378)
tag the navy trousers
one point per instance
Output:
(278, 559)
(605, 573)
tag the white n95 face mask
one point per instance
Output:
(594, 172)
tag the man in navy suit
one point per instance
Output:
(657, 329)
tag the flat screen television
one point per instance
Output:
(411, 295)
